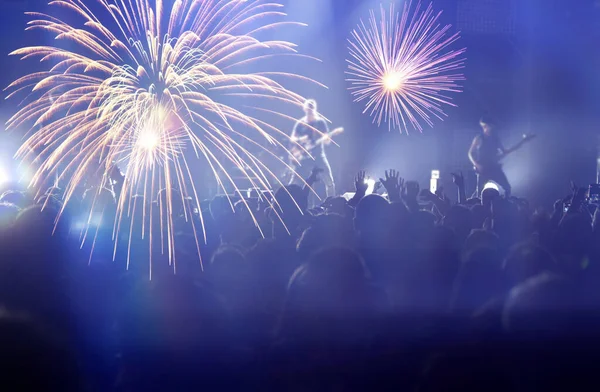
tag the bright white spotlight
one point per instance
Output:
(371, 183)
(433, 182)
(433, 186)
(491, 185)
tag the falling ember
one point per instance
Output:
(148, 89)
(401, 65)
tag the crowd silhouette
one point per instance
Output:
(406, 291)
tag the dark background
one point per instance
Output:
(532, 64)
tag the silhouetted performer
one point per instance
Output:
(486, 152)
(311, 133)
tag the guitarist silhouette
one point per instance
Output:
(311, 133)
(485, 154)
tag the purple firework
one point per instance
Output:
(403, 67)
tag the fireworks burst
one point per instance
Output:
(402, 67)
(140, 90)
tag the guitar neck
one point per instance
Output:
(329, 135)
(516, 146)
(301, 147)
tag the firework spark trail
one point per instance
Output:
(145, 88)
(402, 67)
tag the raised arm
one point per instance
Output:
(294, 135)
(393, 185)
(474, 146)
(361, 188)
(324, 128)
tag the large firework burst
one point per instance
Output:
(403, 67)
(139, 83)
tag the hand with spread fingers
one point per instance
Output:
(392, 183)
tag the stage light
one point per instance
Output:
(371, 183)
(370, 189)
(433, 182)
(491, 185)
(433, 186)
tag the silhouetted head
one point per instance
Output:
(177, 202)
(526, 261)
(479, 280)
(226, 262)
(20, 199)
(328, 298)
(326, 231)
(337, 205)
(487, 124)
(488, 196)
(372, 213)
(220, 208)
(37, 223)
(481, 239)
(541, 307)
(310, 108)
(459, 219)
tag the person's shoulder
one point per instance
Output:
(299, 125)
(321, 123)
(301, 121)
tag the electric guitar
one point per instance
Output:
(303, 146)
(526, 138)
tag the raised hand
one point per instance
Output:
(392, 183)
(360, 182)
